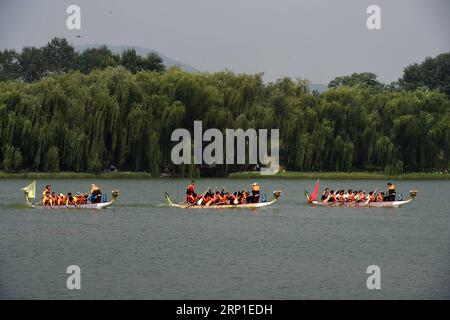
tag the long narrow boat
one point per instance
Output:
(276, 196)
(30, 191)
(365, 204)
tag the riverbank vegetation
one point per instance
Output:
(90, 111)
(342, 175)
(234, 175)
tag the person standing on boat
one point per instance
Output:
(191, 189)
(391, 192)
(255, 192)
(96, 194)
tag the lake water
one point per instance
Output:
(140, 248)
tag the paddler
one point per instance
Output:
(244, 196)
(234, 199)
(69, 199)
(223, 197)
(371, 196)
(61, 199)
(380, 197)
(191, 199)
(325, 194)
(340, 197)
(331, 197)
(361, 196)
(47, 199)
(77, 200)
(54, 198)
(207, 196)
(351, 196)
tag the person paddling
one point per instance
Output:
(54, 199)
(325, 194)
(191, 199)
(351, 196)
(380, 197)
(47, 199)
(61, 199)
(69, 199)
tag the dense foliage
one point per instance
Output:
(433, 73)
(86, 121)
(31, 64)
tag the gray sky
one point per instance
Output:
(317, 40)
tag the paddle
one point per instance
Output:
(199, 202)
(236, 201)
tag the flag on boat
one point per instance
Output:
(30, 190)
(315, 192)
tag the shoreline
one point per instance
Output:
(343, 176)
(236, 175)
(76, 175)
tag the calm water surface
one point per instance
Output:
(140, 248)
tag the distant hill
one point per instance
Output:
(319, 87)
(168, 62)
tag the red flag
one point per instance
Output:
(315, 192)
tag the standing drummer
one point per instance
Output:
(255, 192)
(391, 192)
(191, 189)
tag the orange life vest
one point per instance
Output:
(191, 199)
(223, 198)
(61, 200)
(45, 192)
(46, 200)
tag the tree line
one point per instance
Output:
(32, 64)
(123, 114)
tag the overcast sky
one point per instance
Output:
(317, 40)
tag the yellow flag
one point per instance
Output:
(30, 190)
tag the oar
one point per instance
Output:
(236, 200)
